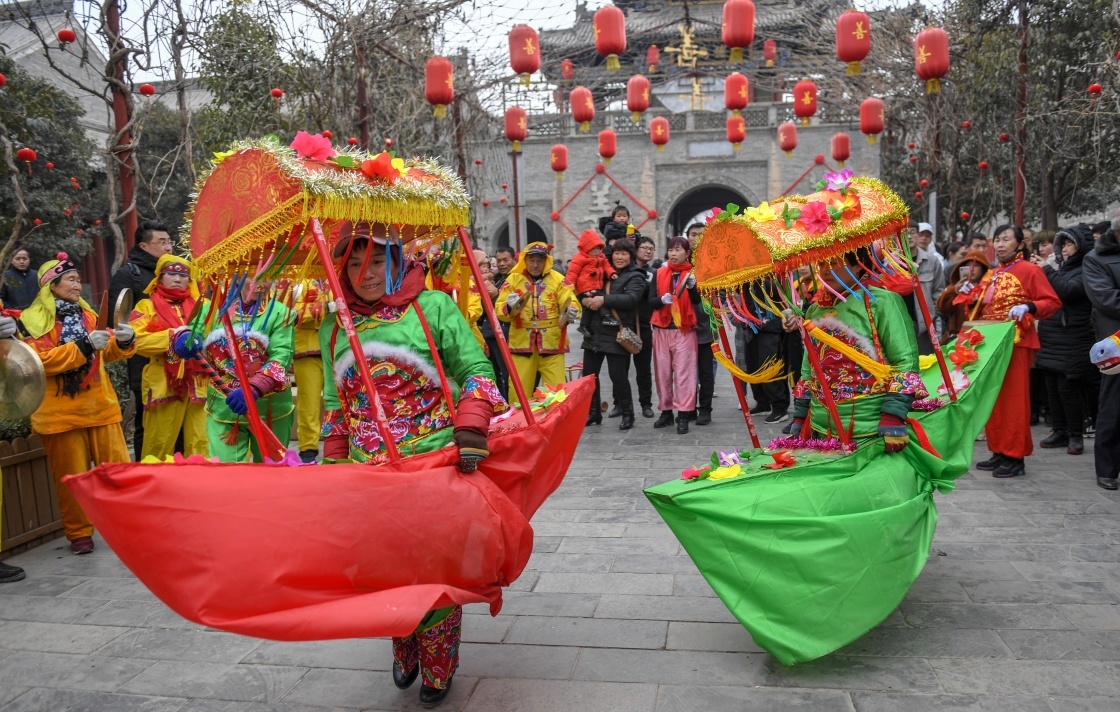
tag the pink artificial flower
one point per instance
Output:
(691, 474)
(314, 146)
(815, 218)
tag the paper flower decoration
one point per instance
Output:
(839, 181)
(727, 459)
(762, 214)
(693, 473)
(314, 146)
(815, 218)
(220, 156)
(782, 459)
(972, 336)
(384, 167)
(963, 355)
(725, 473)
(716, 213)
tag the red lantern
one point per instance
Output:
(787, 138)
(486, 203)
(478, 161)
(28, 156)
(96, 222)
(1004, 137)
(931, 57)
(653, 58)
(918, 194)
(559, 158)
(66, 36)
(567, 69)
(583, 107)
(964, 217)
(770, 52)
(524, 51)
(871, 118)
(853, 39)
(608, 145)
(659, 132)
(505, 186)
(1095, 90)
(911, 145)
(147, 90)
(388, 142)
(327, 134)
(736, 93)
(738, 27)
(983, 166)
(3, 81)
(924, 183)
(37, 222)
(913, 159)
(277, 93)
(78, 233)
(610, 34)
(966, 125)
(353, 141)
(517, 126)
(841, 147)
(805, 100)
(502, 200)
(68, 212)
(50, 166)
(439, 84)
(637, 96)
(736, 131)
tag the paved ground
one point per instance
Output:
(1018, 610)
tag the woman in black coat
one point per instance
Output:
(1071, 379)
(618, 307)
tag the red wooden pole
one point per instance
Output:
(739, 386)
(269, 444)
(826, 390)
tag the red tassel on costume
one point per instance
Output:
(923, 439)
(231, 436)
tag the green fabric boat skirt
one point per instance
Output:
(811, 557)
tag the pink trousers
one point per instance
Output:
(674, 367)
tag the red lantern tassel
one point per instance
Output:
(872, 139)
(737, 56)
(933, 86)
(440, 111)
(612, 63)
(853, 69)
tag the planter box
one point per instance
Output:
(31, 515)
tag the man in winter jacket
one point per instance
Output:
(152, 242)
(1101, 270)
(20, 286)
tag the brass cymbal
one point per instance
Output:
(23, 382)
(123, 308)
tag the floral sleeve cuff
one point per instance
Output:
(801, 389)
(278, 374)
(334, 423)
(485, 389)
(908, 383)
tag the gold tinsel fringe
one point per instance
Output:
(771, 370)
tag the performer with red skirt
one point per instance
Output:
(1014, 290)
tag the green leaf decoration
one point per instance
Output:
(715, 459)
(822, 184)
(835, 213)
(731, 209)
(345, 161)
(789, 214)
(271, 138)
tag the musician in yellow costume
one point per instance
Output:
(539, 307)
(173, 387)
(308, 367)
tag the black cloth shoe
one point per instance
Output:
(704, 417)
(682, 425)
(1034, 418)
(1056, 438)
(615, 412)
(689, 414)
(404, 681)
(777, 417)
(1076, 445)
(1010, 467)
(595, 417)
(647, 412)
(991, 463)
(9, 573)
(760, 409)
(432, 696)
(1108, 483)
(627, 421)
(664, 420)
(308, 457)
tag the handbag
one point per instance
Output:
(626, 337)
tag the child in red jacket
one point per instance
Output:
(588, 272)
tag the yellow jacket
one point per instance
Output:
(93, 406)
(536, 326)
(156, 345)
(309, 309)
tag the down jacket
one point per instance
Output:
(626, 294)
(1067, 336)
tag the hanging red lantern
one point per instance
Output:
(738, 27)
(841, 147)
(918, 194)
(653, 58)
(1095, 90)
(524, 52)
(871, 118)
(1004, 137)
(388, 142)
(913, 159)
(486, 203)
(327, 134)
(78, 233)
(805, 100)
(853, 39)
(770, 52)
(608, 145)
(964, 217)
(147, 90)
(983, 166)
(583, 107)
(505, 186)
(353, 141)
(478, 161)
(567, 69)
(911, 145)
(68, 212)
(924, 183)
(96, 222)
(28, 156)
(517, 126)
(439, 84)
(502, 200)
(966, 125)
(931, 57)
(66, 36)
(787, 137)
(36, 222)
(637, 96)
(736, 131)
(659, 132)
(50, 166)
(559, 159)
(736, 93)
(3, 81)
(609, 23)
(277, 93)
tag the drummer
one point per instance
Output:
(80, 418)
(173, 388)
(410, 336)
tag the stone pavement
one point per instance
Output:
(1018, 610)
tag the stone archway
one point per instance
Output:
(533, 229)
(698, 199)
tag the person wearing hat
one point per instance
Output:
(538, 306)
(80, 418)
(263, 329)
(422, 358)
(173, 388)
(925, 241)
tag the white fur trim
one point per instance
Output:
(831, 323)
(383, 352)
(220, 335)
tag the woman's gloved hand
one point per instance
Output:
(1018, 311)
(186, 344)
(666, 298)
(7, 327)
(124, 335)
(690, 281)
(893, 430)
(966, 287)
(235, 401)
(98, 339)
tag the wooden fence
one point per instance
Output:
(31, 515)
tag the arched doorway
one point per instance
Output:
(535, 234)
(697, 201)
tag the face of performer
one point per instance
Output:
(841, 281)
(1005, 245)
(534, 265)
(68, 287)
(21, 260)
(369, 286)
(620, 259)
(174, 280)
(252, 287)
(678, 255)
